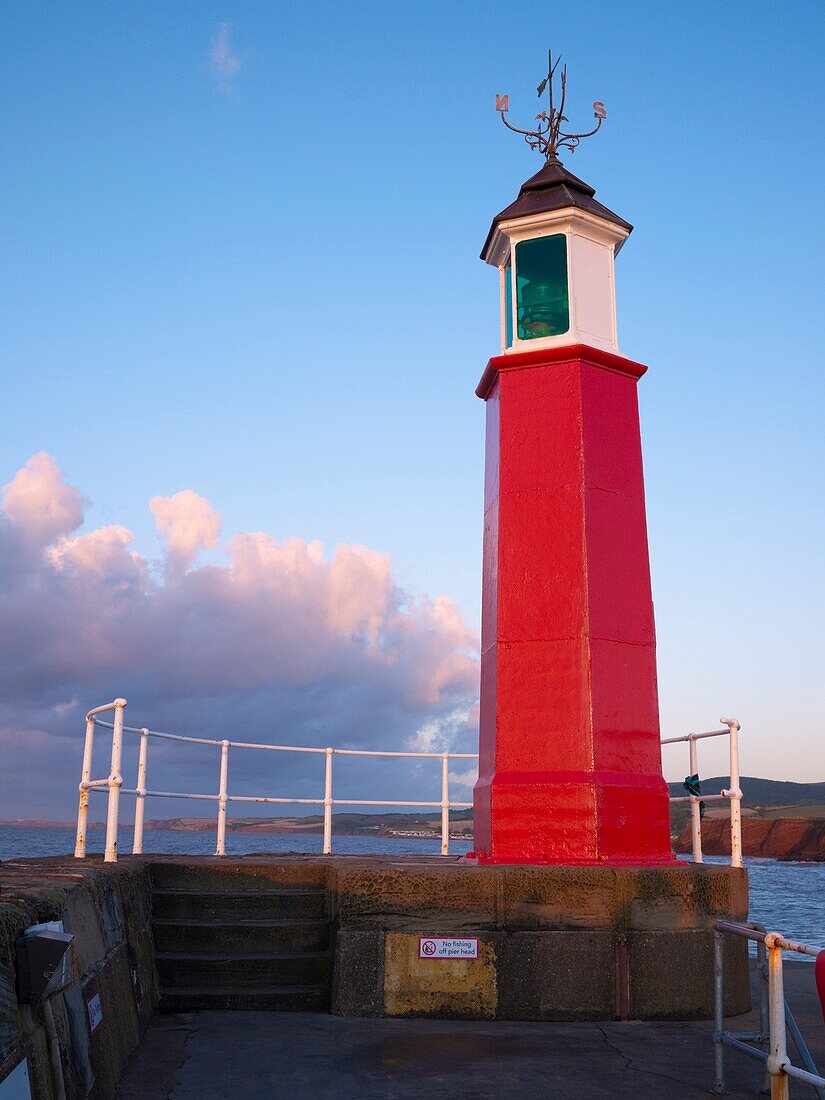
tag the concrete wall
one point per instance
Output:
(555, 943)
(108, 910)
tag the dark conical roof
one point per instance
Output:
(553, 188)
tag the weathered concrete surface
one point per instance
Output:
(248, 872)
(358, 972)
(555, 942)
(395, 894)
(538, 975)
(404, 891)
(258, 1056)
(255, 936)
(671, 972)
(107, 909)
(532, 924)
(439, 987)
(562, 943)
(576, 972)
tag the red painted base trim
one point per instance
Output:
(662, 859)
(618, 861)
(579, 353)
(601, 817)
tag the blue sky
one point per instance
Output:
(261, 282)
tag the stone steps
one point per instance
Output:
(295, 998)
(208, 937)
(270, 969)
(237, 905)
(219, 874)
(229, 937)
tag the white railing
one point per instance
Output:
(769, 1044)
(114, 783)
(732, 795)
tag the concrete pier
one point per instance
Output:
(554, 943)
(340, 936)
(263, 1055)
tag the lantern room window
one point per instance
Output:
(508, 306)
(542, 298)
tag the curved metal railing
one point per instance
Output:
(113, 784)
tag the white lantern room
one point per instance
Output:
(555, 248)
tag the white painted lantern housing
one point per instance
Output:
(554, 248)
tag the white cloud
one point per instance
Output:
(281, 644)
(189, 524)
(464, 779)
(39, 503)
(224, 63)
(103, 553)
(446, 732)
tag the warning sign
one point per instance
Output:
(437, 947)
(95, 1011)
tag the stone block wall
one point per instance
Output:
(108, 911)
(554, 943)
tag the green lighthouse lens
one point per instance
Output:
(542, 298)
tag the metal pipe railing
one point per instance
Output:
(775, 1017)
(328, 803)
(85, 779)
(445, 804)
(732, 794)
(695, 808)
(220, 847)
(140, 793)
(113, 784)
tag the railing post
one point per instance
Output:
(445, 804)
(328, 801)
(115, 783)
(802, 1047)
(764, 1002)
(140, 800)
(778, 1057)
(718, 1008)
(695, 808)
(83, 804)
(220, 847)
(734, 793)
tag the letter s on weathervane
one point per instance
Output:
(599, 110)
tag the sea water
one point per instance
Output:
(785, 897)
(19, 841)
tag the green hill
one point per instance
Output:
(759, 793)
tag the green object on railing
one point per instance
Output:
(693, 787)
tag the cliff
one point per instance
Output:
(791, 838)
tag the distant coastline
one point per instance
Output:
(781, 820)
(380, 825)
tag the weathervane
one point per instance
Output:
(548, 137)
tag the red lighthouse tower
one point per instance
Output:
(570, 764)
